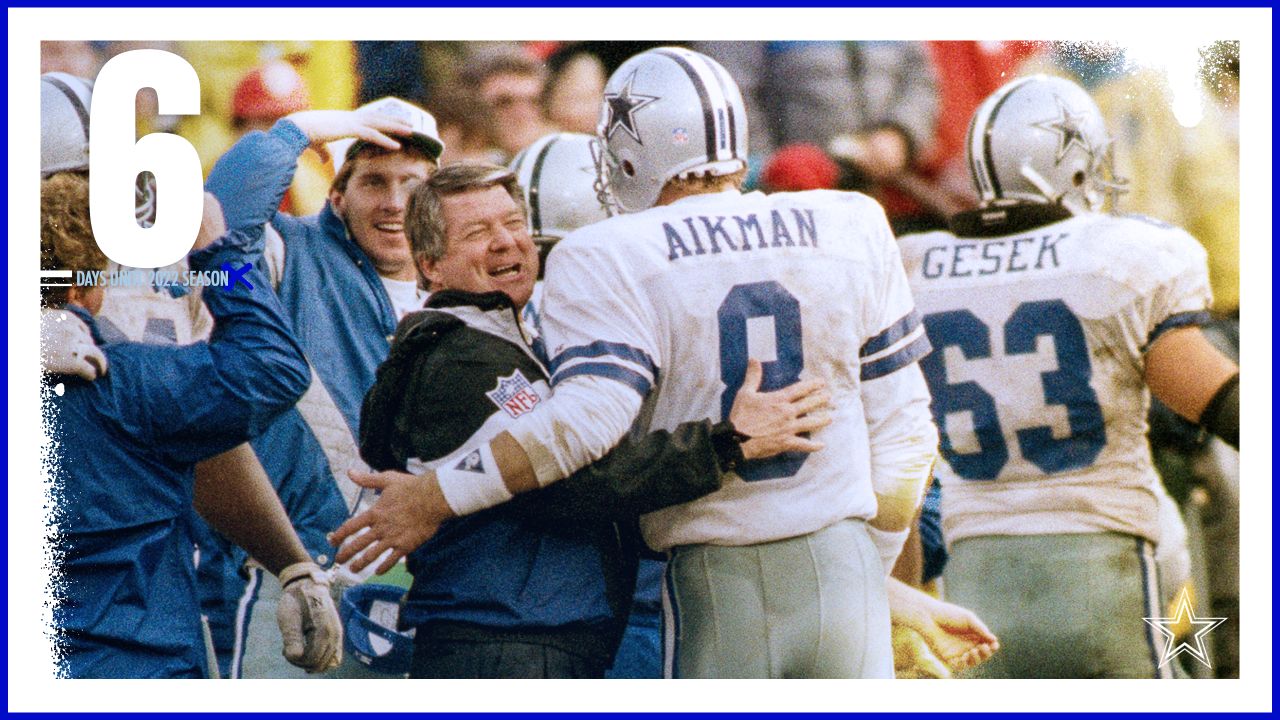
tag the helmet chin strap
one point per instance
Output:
(604, 194)
(1046, 190)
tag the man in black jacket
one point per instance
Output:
(539, 587)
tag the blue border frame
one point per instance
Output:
(148, 4)
(142, 4)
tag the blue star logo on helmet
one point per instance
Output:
(1069, 127)
(622, 109)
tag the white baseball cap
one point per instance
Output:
(424, 134)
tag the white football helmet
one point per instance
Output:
(64, 123)
(667, 113)
(1042, 139)
(64, 137)
(558, 175)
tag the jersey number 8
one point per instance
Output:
(759, 300)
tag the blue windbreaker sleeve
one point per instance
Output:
(199, 400)
(250, 180)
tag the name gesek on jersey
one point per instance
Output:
(1010, 256)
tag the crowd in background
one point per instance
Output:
(886, 118)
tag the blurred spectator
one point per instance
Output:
(571, 99)
(326, 67)
(967, 72)
(611, 53)
(871, 105)
(147, 112)
(75, 57)
(466, 126)
(802, 166)
(510, 82)
(263, 96)
(391, 68)
(266, 94)
(880, 96)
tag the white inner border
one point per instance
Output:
(30, 685)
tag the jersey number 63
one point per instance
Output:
(1068, 385)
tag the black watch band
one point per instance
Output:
(727, 443)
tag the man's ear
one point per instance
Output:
(336, 200)
(427, 268)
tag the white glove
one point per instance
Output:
(308, 619)
(67, 347)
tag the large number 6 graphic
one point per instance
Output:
(1067, 386)
(115, 160)
(758, 300)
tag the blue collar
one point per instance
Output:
(334, 226)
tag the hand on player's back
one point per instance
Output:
(408, 512)
(778, 421)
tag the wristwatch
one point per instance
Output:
(727, 443)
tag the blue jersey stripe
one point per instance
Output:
(1177, 320)
(892, 334)
(624, 375)
(889, 363)
(244, 612)
(601, 348)
(540, 351)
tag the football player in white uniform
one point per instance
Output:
(652, 315)
(558, 175)
(1050, 321)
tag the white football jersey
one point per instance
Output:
(1037, 369)
(674, 300)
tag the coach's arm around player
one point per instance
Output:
(411, 508)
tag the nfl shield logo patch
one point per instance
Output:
(514, 395)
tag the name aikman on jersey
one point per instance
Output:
(802, 231)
